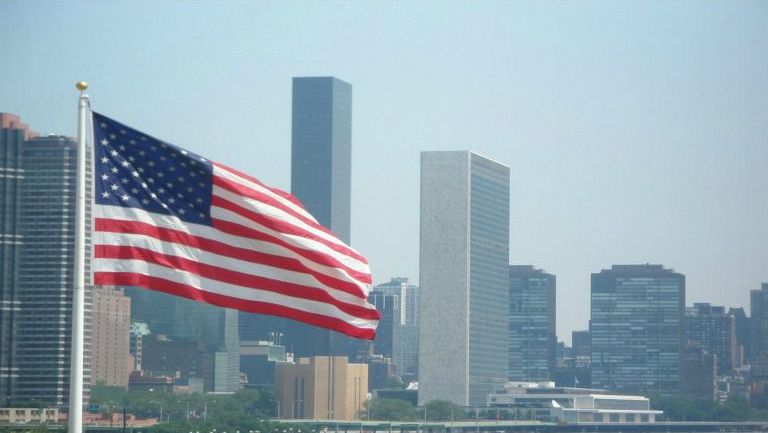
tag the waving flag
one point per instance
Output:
(170, 220)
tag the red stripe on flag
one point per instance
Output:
(283, 227)
(223, 249)
(277, 191)
(189, 292)
(244, 191)
(231, 277)
(314, 255)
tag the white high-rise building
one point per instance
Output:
(463, 277)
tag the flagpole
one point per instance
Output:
(78, 295)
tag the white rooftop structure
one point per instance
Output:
(546, 402)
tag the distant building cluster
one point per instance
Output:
(476, 331)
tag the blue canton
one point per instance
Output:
(132, 169)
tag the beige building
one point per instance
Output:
(110, 340)
(20, 416)
(321, 387)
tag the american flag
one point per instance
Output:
(170, 220)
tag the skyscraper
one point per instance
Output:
(321, 150)
(13, 133)
(637, 328)
(698, 372)
(387, 331)
(464, 277)
(405, 336)
(742, 331)
(532, 324)
(46, 272)
(716, 331)
(759, 332)
(321, 170)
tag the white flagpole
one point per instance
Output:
(78, 296)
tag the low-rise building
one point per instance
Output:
(544, 401)
(25, 415)
(258, 360)
(321, 387)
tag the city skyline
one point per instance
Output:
(618, 155)
(643, 338)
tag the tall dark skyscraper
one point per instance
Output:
(742, 331)
(716, 331)
(532, 324)
(321, 170)
(13, 133)
(321, 150)
(759, 333)
(637, 328)
(46, 272)
(463, 276)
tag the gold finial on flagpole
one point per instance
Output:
(81, 86)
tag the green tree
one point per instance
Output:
(687, 409)
(105, 394)
(442, 410)
(388, 409)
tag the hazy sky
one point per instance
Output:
(635, 131)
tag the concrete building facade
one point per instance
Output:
(544, 401)
(321, 387)
(464, 277)
(110, 338)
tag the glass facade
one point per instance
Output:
(46, 272)
(637, 329)
(321, 150)
(532, 324)
(716, 331)
(759, 332)
(488, 276)
(11, 142)
(464, 231)
(386, 332)
(405, 345)
(321, 176)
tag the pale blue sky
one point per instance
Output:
(635, 131)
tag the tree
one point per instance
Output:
(442, 410)
(388, 409)
(105, 394)
(686, 409)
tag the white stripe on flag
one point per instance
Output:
(230, 290)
